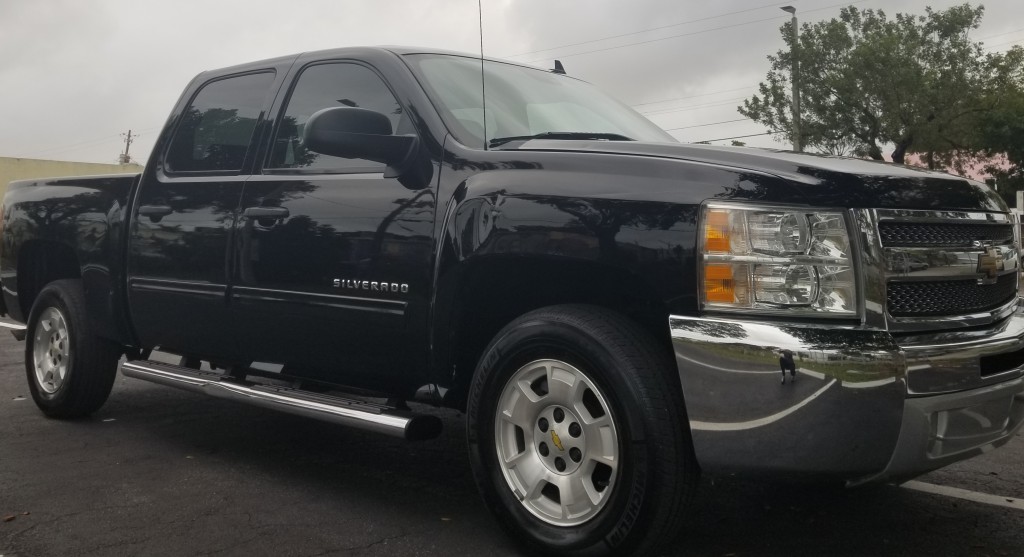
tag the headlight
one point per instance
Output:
(777, 260)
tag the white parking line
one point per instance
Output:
(966, 495)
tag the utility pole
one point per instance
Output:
(795, 78)
(124, 158)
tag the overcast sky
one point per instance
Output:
(76, 74)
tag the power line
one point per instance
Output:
(657, 111)
(72, 147)
(1001, 34)
(736, 137)
(990, 47)
(667, 110)
(774, 18)
(692, 107)
(708, 124)
(81, 144)
(660, 39)
(645, 30)
(691, 96)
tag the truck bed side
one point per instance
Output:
(67, 228)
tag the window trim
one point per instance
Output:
(253, 139)
(264, 164)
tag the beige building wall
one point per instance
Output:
(19, 169)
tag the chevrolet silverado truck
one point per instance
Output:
(339, 233)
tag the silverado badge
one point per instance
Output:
(372, 285)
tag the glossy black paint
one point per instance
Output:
(80, 223)
(242, 267)
(817, 180)
(358, 227)
(178, 262)
(351, 226)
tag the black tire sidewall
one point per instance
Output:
(546, 339)
(51, 296)
(92, 360)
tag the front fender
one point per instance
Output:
(554, 215)
(505, 250)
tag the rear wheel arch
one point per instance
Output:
(41, 262)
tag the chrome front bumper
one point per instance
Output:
(849, 414)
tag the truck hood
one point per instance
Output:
(829, 180)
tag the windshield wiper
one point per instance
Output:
(560, 135)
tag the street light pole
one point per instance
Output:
(795, 78)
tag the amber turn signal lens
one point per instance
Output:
(716, 232)
(719, 285)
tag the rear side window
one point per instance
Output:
(326, 86)
(216, 129)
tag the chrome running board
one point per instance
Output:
(12, 325)
(19, 330)
(344, 411)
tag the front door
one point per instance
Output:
(334, 258)
(184, 217)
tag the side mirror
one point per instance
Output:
(357, 133)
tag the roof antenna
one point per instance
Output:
(483, 88)
(558, 68)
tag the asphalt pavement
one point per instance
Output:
(159, 471)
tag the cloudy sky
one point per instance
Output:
(76, 74)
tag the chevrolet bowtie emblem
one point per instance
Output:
(989, 264)
(557, 441)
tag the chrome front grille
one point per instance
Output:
(925, 234)
(948, 297)
(946, 268)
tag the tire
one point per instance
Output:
(540, 368)
(70, 371)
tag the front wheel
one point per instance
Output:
(70, 371)
(578, 434)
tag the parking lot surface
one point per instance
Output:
(159, 471)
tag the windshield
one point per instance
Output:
(524, 102)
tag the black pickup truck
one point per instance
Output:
(339, 233)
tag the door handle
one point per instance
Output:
(155, 212)
(266, 212)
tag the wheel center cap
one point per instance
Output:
(558, 439)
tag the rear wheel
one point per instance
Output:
(70, 371)
(578, 436)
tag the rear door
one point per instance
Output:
(184, 216)
(334, 255)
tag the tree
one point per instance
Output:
(997, 142)
(1000, 138)
(913, 82)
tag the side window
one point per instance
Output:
(217, 127)
(326, 86)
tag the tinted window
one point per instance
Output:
(215, 131)
(326, 86)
